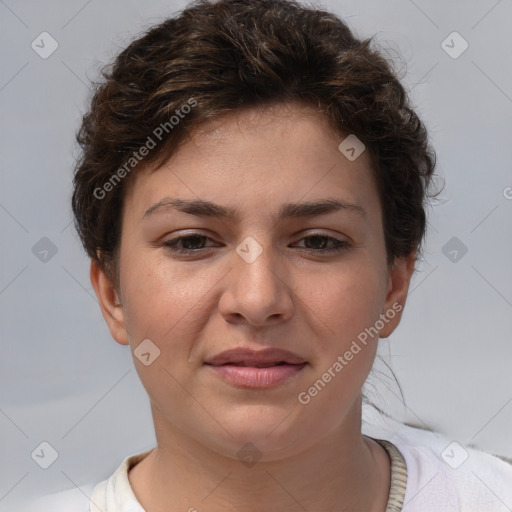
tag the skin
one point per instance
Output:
(313, 457)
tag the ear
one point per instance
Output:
(112, 310)
(398, 286)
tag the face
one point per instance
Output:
(310, 281)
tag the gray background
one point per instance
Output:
(65, 381)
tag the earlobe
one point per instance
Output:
(110, 305)
(398, 287)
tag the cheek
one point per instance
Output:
(164, 306)
(165, 299)
(346, 301)
(344, 307)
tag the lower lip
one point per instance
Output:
(251, 377)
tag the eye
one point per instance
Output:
(193, 240)
(195, 243)
(321, 240)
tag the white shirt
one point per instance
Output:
(442, 476)
(445, 476)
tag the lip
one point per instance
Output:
(249, 357)
(256, 369)
(256, 378)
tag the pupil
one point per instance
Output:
(316, 238)
(195, 238)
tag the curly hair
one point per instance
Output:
(215, 58)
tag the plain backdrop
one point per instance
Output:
(64, 381)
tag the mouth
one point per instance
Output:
(255, 358)
(252, 365)
(251, 377)
(246, 368)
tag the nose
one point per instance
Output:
(258, 290)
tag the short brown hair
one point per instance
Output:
(219, 57)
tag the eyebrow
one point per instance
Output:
(201, 207)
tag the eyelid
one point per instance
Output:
(301, 234)
(339, 245)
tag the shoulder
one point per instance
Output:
(110, 495)
(446, 475)
(116, 493)
(70, 500)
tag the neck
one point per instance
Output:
(344, 471)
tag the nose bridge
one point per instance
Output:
(256, 262)
(258, 289)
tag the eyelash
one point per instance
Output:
(172, 244)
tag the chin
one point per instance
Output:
(269, 429)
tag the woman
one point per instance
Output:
(252, 195)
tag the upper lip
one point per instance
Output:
(255, 357)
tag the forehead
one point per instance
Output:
(254, 156)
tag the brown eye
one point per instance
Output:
(319, 244)
(186, 244)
